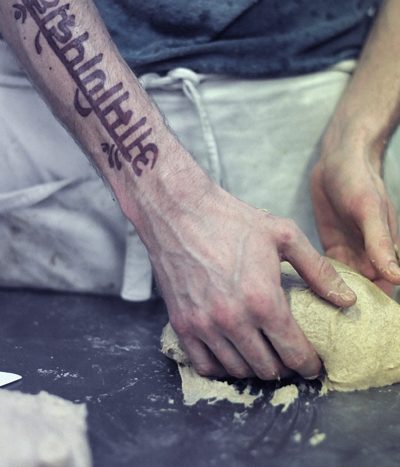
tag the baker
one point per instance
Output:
(249, 100)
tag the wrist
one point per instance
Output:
(176, 188)
(354, 136)
(367, 112)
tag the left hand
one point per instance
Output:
(357, 221)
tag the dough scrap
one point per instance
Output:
(171, 347)
(359, 346)
(196, 387)
(42, 430)
(316, 438)
(285, 396)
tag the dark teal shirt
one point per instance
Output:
(249, 38)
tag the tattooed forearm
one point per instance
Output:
(94, 93)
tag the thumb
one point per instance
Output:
(379, 245)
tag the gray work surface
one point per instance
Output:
(105, 352)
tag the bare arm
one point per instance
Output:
(369, 109)
(356, 218)
(215, 258)
(71, 59)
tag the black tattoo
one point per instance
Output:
(113, 155)
(93, 93)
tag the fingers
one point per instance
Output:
(289, 342)
(315, 269)
(380, 246)
(249, 355)
(230, 358)
(270, 347)
(201, 358)
(260, 355)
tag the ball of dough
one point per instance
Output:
(359, 346)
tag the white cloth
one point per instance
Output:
(60, 227)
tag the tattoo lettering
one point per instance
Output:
(113, 155)
(94, 94)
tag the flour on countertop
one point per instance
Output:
(317, 438)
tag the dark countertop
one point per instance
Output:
(105, 352)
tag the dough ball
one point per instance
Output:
(359, 346)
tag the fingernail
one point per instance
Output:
(394, 269)
(312, 377)
(346, 293)
(348, 296)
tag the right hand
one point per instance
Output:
(356, 219)
(218, 268)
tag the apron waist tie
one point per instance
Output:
(188, 81)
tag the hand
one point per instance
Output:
(356, 219)
(218, 268)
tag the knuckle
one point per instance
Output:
(324, 268)
(191, 325)
(276, 322)
(264, 305)
(220, 315)
(259, 302)
(180, 325)
(265, 317)
(277, 328)
(226, 319)
(201, 325)
(289, 233)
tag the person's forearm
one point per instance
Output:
(71, 59)
(369, 110)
